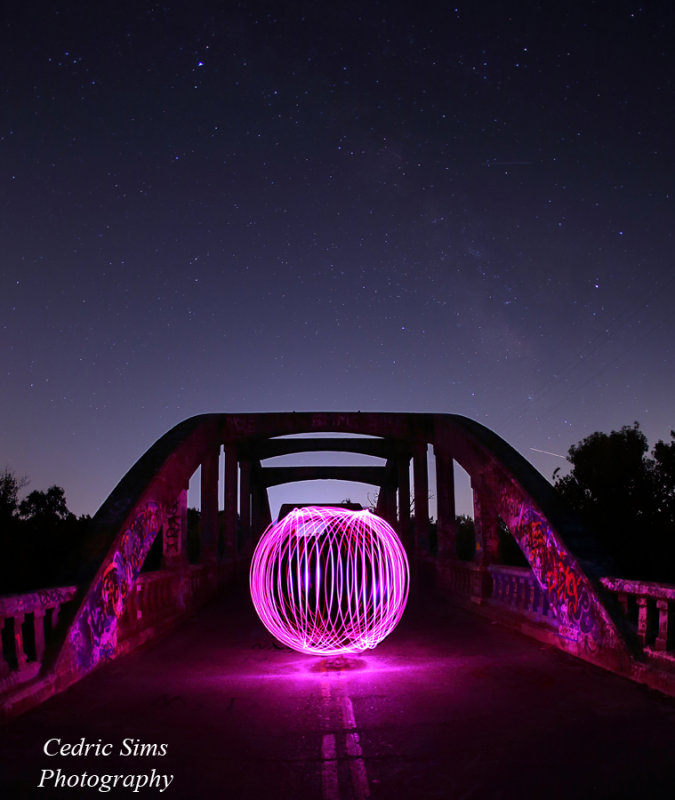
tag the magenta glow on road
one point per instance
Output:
(328, 581)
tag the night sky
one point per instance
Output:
(314, 206)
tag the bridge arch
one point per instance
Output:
(152, 498)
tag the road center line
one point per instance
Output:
(357, 766)
(330, 789)
(348, 713)
(338, 716)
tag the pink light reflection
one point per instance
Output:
(329, 581)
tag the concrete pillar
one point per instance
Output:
(230, 512)
(421, 479)
(174, 540)
(260, 510)
(379, 506)
(661, 642)
(386, 497)
(208, 550)
(643, 619)
(266, 512)
(21, 657)
(404, 499)
(445, 498)
(39, 631)
(485, 520)
(391, 513)
(4, 666)
(386, 504)
(245, 502)
(55, 616)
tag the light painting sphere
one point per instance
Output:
(329, 581)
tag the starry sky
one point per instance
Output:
(388, 206)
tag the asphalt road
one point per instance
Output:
(450, 706)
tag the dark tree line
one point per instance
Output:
(627, 498)
(40, 538)
(625, 494)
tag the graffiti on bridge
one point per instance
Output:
(94, 634)
(569, 593)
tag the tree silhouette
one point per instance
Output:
(45, 508)
(10, 486)
(626, 498)
(664, 463)
(466, 537)
(40, 539)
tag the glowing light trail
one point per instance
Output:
(329, 581)
(548, 452)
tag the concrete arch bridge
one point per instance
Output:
(566, 596)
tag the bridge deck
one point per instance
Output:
(450, 706)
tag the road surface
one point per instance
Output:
(449, 706)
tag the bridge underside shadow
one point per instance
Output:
(449, 705)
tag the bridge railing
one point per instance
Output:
(27, 624)
(496, 590)
(456, 577)
(649, 608)
(513, 596)
(159, 598)
(517, 589)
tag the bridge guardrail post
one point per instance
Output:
(643, 620)
(661, 642)
(174, 545)
(481, 584)
(39, 633)
(19, 651)
(4, 664)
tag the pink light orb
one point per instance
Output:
(328, 581)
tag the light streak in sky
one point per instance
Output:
(547, 452)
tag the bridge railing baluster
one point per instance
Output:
(647, 607)
(516, 589)
(27, 622)
(661, 642)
